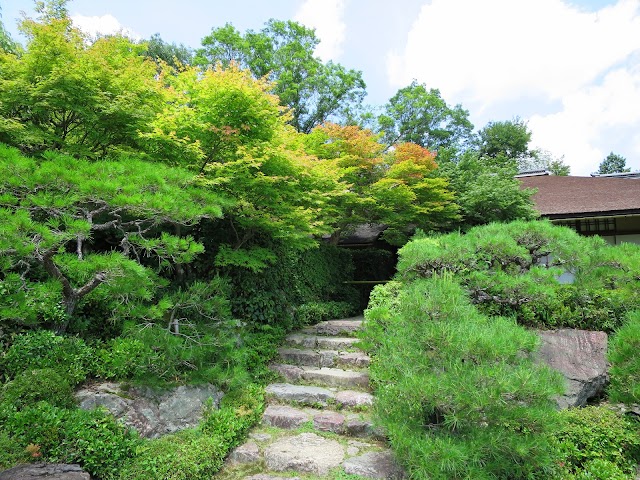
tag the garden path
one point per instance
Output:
(317, 424)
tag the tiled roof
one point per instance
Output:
(564, 197)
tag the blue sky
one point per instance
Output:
(569, 68)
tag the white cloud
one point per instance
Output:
(103, 25)
(584, 129)
(326, 16)
(580, 69)
(499, 48)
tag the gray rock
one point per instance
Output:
(264, 476)
(260, 437)
(306, 452)
(336, 343)
(301, 340)
(312, 358)
(284, 417)
(45, 471)
(291, 373)
(334, 377)
(351, 398)
(358, 426)
(374, 465)
(354, 359)
(247, 453)
(151, 412)
(346, 326)
(300, 393)
(329, 422)
(580, 356)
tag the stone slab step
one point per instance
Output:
(346, 327)
(342, 423)
(302, 394)
(323, 358)
(315, 341)
(333, 377)
(353, 399)
(282, 416)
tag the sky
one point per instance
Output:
(569, 68)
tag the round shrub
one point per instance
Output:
(93, 439)
(70, 356)
(122, 358)
(597, 434)
(625, 361)
(32, 386)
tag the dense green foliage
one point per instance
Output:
(456, 386)
(61, 435)
(613, 163)
(283, 51)
(519, 270)
(164, 218)
(69, 356)
(625, 361)
(598, 441)
(454, 390)
(198, 453)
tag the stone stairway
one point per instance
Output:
(317, 423)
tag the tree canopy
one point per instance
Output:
(417, 115)
(95, 227)
(283, 52)
(78, 98)
(613, 163)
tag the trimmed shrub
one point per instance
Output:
(273, 295)
(624, 355)
(456, 390)
(515, 269)
(32, 386)
(314, 312)
(70, 356)
(91, 438)
(597, 439)
(11, 453)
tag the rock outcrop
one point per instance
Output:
(580, 356)
(153, 413)
(45, 471)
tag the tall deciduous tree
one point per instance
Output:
(66, 95)
(283, 51)
(613, 163)
(417, 115)
(7, 44)
(508, 140)
(399, 189)
(160, 51)
(227, 127)
(488, 192)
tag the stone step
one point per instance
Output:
(327, 343)
(300, 394)
(323, 358)
(348, 327)
(309, 395)
(349, 424)
(333, 377)
(311, 454)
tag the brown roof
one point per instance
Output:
(568, 197)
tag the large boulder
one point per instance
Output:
(580, 356)
(152, 412)
(45, 471)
